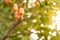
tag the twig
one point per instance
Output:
(12, 35)
(13, 25)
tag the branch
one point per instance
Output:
(12, 35)
(13, 25)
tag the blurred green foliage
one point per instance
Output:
(44, 10)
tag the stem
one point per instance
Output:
(13, 25)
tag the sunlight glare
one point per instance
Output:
(56, 21)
